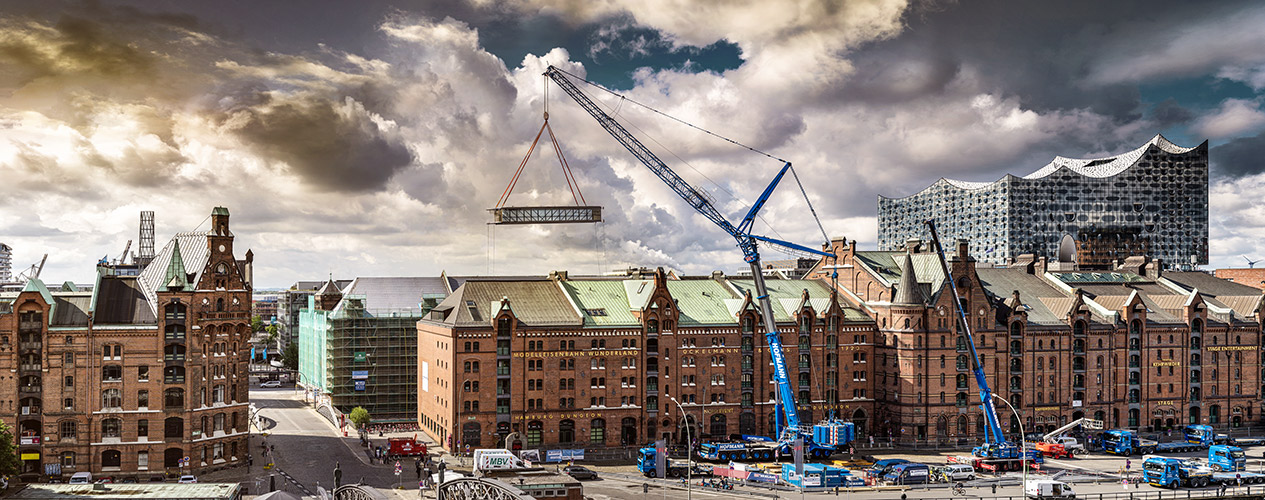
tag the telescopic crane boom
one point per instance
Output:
(741, 234)
(995, 443)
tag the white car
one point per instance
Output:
(271, 383)
(188, 479)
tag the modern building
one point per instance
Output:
(139, 373)
(1136, 347)
(265, 305)
(604, 361)
(1153, 199)
(294, 300)
(6, 263)
(1252, 277)
(358, 345)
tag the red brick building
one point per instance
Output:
(1252, 277)
(576, 362)
(1130, 346)
(144, 370)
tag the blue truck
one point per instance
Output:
(1125, 442)
(1196, 437)
(1174, 473)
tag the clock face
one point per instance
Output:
(205, 301)
(221, 248)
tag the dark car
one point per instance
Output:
(578, 472)
(129, 480)
(156, 479)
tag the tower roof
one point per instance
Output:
(907, 290)
(176, 276)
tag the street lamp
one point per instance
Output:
(1023, 443)
(689, 469)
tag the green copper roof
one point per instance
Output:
(219, 211)
(603, 303)
(35, 285)
(702, 302)
(176, 277)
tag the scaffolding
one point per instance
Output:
(371, 359)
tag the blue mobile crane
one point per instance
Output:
(996, 453)
(820, 440)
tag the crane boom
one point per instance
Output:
(746, 241)
(995, 444)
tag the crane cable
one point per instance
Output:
(623, 98)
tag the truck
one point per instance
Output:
(1167, 472)
(1229, 465)
(1042, 489)
(908, 473)
(497, 459)
(1054, 445)
(405, 447)
(819, 441)
(1125, 442)
(647, 465)
(1195, 438)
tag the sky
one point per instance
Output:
(370, 138)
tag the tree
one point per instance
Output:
(290, 356)
(359, 416)
(272, 333)
(256, 324)
(8, 451)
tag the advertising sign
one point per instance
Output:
(360, 385)
(53, 469)
(30, 456)
(568, 455)
(360, 374)
(30, 440)
(660, 458)
(359, 356)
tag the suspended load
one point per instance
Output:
(581, 212)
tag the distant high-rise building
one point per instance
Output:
(1095, 211)
(6, 263)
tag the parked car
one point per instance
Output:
(105, 480)
(271, 383)
(188, 479)
(157, 478)
(129, 480)
(957, 472)
(81, 478)
(579, 472)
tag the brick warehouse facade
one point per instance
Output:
(1136, 347)
(146, 369)
(595, 362)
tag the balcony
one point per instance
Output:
(962, 387)
(30, 326)
(30, 410)
(1078, 350)
(31, 389)
(502, 371)
(30, 367)
(173, 379)
(961, 404)
(34, 345)
(224, 315)
(961, 366)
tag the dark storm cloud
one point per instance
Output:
(334, 149)
(76, 46)
(1239, 158)
(1169, 113)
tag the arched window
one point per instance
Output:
(173, 427)
(111, 373)
(566, 431)
(652, 326)
(718, 426)
(1016, 329)
(111, 398)
(111, 428)
(173, 398)
(471, 433)
(111, 458)
(597, 431)
(534, 430)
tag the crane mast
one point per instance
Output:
(746, 241)
(995, 444)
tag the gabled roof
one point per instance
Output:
(602, 303)
(194, 253)
(701, 302)
(1044, 304)
(538, 302)
(886, 267)
(120, 300)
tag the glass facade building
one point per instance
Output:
(1154, 198)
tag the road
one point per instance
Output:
(308, 447)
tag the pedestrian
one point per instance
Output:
(994, 488)
(338, 474)
(645, 488)
(871, 440)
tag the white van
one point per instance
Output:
(81, 478)
(497, 459)
(958, 472)
(1042, 489)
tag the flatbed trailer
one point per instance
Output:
(1179, 447)
(1033, 461)
(1232, 478)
